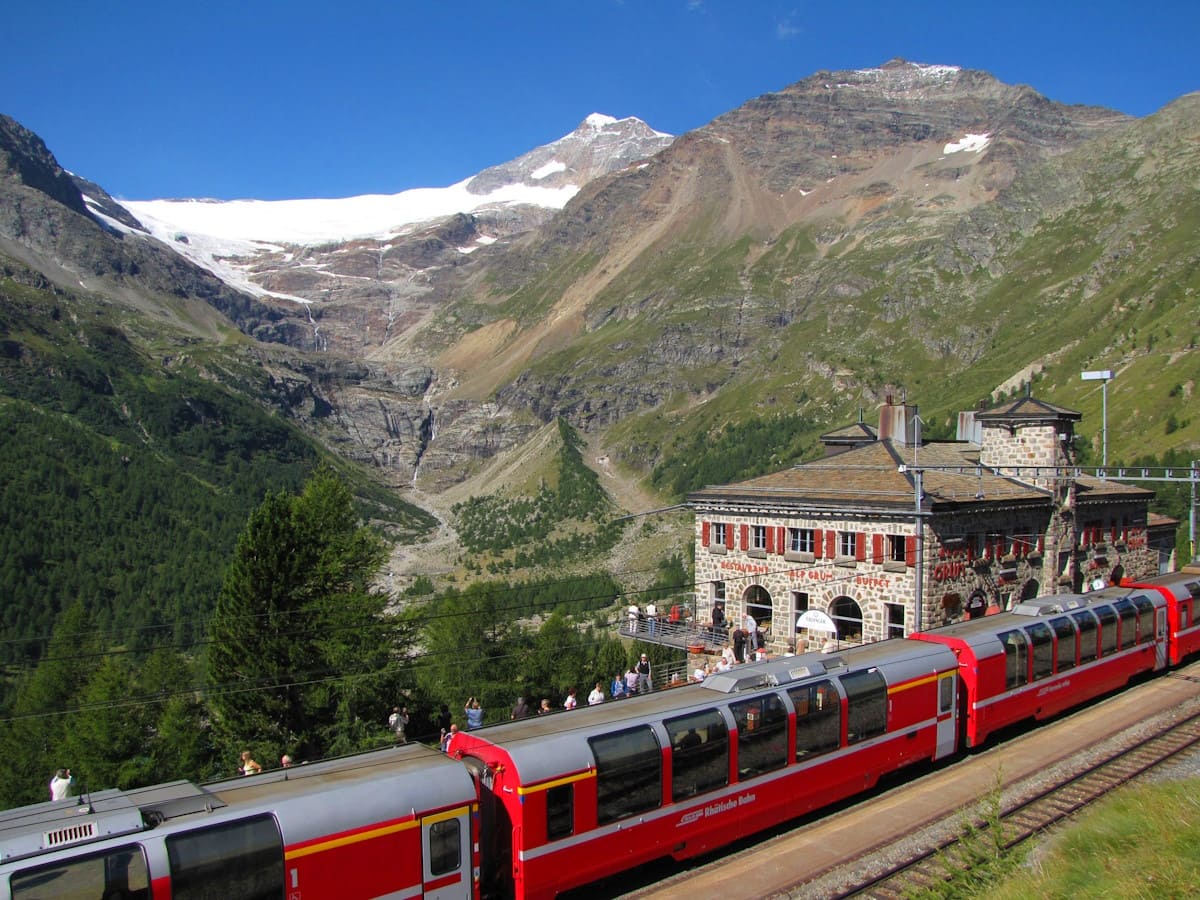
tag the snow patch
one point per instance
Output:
(548, 169)
(970, 143)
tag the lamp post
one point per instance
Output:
(1104, 376)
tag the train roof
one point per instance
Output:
(1180, 584)
(426, 777)
(544, 747)
(977, 633)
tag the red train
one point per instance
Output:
(536, 807)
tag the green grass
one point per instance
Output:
(1142, 842)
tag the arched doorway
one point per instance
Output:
(756, 600)
(847, 616)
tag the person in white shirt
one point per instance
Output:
(60, 785)
(596, 696)
(570, 702)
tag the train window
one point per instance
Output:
(866, 705)
(1042, 640)
(1145, 617)
(1065, 632)
(115, 873)
(1108, 629)
(1016, 658)
(628, 773)
(1128, 615)
(818, 718)
(945, 694)
(1185, 614)
(699, 753)
(560, 811)
(238, 861)
(445, 847)
(762, 734)
(1087, 635)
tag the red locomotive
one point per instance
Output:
(535, 807)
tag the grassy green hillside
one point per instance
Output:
(126, 477)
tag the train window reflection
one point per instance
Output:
(762, 734)
(1128, 615)
(1145, 617)
(628, 773)
(560, 811)
(1016, 658)
(1042, 640)
(699, 753)
(866, 705)
(1067, 641)
(116, 873)
(445, 846)
(1087, 635)
(818, 718)
(1108, 629)
(239, 861)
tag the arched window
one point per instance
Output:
(847, 616)
(757, 601)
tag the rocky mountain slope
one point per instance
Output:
(919, 230)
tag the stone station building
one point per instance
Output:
(1002, 516)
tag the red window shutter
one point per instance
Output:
(729, 536)
(910, 550)
(860, 547)
(831, 544)
(770, 548)
(781, 541)
(1041, 544)
(745, 536)
(1115, 532)
(704, 533)
(818, 543)
(877, 548)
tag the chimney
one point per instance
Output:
(897, 423)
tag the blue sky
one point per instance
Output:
(274, 100)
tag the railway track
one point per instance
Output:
(1032, 816)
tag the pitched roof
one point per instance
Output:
(1025, 409)
(871, 477)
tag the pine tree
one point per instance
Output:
(299, 642)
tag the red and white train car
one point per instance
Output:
(572, 797)
(1052, 653)
(396, 823)
(1182, 593)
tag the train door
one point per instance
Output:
(947, 726)
(1160, 638)
(495, 834)
(446, 865)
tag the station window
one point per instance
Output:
(1128, 615)
(800, 540)
(445, 847)
(760, 537)
(895, 619)
(699, 753)
(762, 734)
(1108, 629)
(1016, 658)
(1042, 640)
(628, 773)
(866, 705)
(560, 811)
(718, 533)
(244, 858)
(847, 543)
(116, 873)
(1087, 635)
(818, 718)
(1065, 632)
(896, 548)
